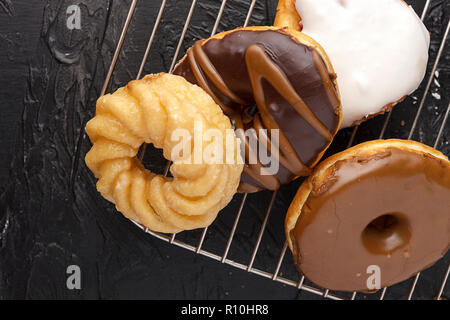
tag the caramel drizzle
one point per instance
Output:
(259, 67)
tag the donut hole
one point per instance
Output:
(386, 234)
(153, 159)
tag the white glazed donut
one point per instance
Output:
(378, 48)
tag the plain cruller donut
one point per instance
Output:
(291, 80)
(150, 111)
(379, 49)
(382, 204)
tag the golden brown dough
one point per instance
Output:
(382, 203)
(149, 111)
(291, 80)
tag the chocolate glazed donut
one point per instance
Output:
(298, 96)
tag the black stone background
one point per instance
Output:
(50, 213)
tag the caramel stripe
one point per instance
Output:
(259, 66)
(198, 58)
(201, 80)
(326, 78)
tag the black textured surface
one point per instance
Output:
(51, 216)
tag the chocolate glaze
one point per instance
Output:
(287, 80)
(391, 210)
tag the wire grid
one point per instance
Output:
(325, 293)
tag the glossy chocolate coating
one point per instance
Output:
(391, 210)
(290, 84)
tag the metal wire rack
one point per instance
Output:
(249, 267)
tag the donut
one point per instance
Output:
(292, 82)
(379, 49)
(383, 203)
(151, 110)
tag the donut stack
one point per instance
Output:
(284, 91)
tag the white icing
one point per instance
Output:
(378, 48)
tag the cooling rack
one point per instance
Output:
(276, 275)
